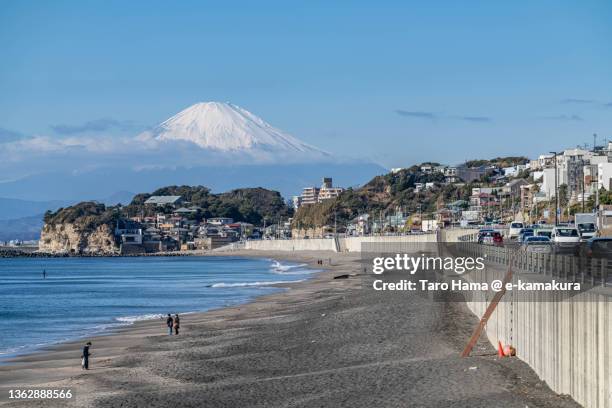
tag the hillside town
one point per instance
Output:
(550, 189)
(177, 230)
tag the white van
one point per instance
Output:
(565, 236)
(515, 229)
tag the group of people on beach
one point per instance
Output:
(173, 323)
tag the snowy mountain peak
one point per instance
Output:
(226, 127)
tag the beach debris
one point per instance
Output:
(322, 314)
(345, 276)
(474, 368)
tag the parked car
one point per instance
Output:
(524, 233)
(565, 239)
(543, 232)
(598, 248)
(491, 238)
(482, 232)
(537, 244)
(515, 229)
(565, 235)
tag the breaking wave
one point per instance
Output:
(137, 318)
(289, 269)
(249, 284)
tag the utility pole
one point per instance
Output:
(335, 224)
(556, 192)
(583, 192)
(597, 206)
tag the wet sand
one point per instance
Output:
(323, 343)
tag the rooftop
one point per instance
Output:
(161, 200)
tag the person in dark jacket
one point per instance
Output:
(177, 324)
(169, 323)
(85, 356)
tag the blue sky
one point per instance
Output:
(394, 82)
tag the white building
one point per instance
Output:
(310, 195)
(218, 221)
(427, 169)
(513, 171)
(548, 182)
(328, 190)
(604, 175)
(313, 195)
(537, 175)
(296, 201)
(546, 160)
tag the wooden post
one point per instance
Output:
(487, 314)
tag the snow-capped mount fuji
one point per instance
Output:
(225, 127)
(219, 145)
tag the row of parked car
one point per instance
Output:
(551, 239)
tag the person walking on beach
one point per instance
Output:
(169, 323)
(177, 324)
(85, 356)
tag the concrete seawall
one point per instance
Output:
(567, 342)
(349, 244)
(292, 245)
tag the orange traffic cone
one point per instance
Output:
(500, 350)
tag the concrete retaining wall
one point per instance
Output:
(568, 342)
(349, 244)
(292, 245)
(453, 234)
(353, 244)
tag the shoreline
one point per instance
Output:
(118, 328)
(124, 333)
(324, 341)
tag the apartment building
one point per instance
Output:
(313, 195)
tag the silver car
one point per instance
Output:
(542, 245)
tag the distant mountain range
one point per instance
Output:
(23, 229)
(288, 179)
(11, 208)
(23, 219)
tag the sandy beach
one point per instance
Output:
(321, 343)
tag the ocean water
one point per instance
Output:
(87, 296)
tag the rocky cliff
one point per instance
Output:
(70, 238)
